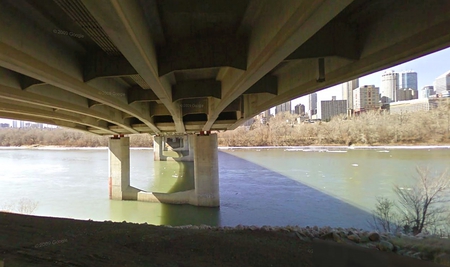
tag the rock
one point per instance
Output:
(354, 238)
(385, 246)
(253, 227)
(315, 228)
(374, 236)
(331, 236)
(350, 232)
(239, 227)
(364, 239)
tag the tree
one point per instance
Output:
(383, 217)
(422, 206)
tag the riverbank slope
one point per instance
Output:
(43, 241)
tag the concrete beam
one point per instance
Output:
(32, 57)
(334, 39)
(126, 26)
(26, 110)
(196, 89)
(101, 65)
(211, 52)
(27, 82)
(194, 106)
(137, 94)
(21, 117)
(280, 28)
(267, 84)
(33, 99)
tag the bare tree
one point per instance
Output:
(422, 204)
(383, 217)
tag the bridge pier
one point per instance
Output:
(119, 169)
(206, 171)
(181, 144)
(202, 150)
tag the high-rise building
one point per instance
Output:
(404, 94)
(22, 124)
(389, 87)
(14, 124)
(408, 79)
(347, 93)
(442, 84)
(300, 109)
(331, 108)
(366, 98)
(312, 105)
(285, 107)
(426, 92)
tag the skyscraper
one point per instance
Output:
(442, 84)
(285, 107)
(299, 109)
(408, 79)
(312, 105)
(347, 93)
(389, 87)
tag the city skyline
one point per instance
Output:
(428, 68)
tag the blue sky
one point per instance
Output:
(428, 68)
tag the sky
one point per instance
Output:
(428, 68)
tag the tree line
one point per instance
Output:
(370, 128)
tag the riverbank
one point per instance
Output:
(43, 241)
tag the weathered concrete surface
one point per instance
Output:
(206, 170)
(119, 170)
(164, 67)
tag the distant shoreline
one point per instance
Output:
(292, 148)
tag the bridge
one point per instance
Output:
(179, 69)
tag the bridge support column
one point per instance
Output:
(158, 148)
(206, 170)
(119, 169)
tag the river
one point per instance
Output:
(258, 186)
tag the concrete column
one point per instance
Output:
(206, 170)
(158, 146)
(119, 170)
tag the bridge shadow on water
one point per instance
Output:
(253, 195)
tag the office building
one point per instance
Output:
(366, 98)
(426, 92)
(442, 84)
(332, 108)
(300, 109)
(285, 107)
(389, 87)
(347, 93)
(405, 94)
(313, 106)
(408, 79)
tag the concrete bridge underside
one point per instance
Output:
(176, 66)
(182, 67)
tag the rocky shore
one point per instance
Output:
(401, 244)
